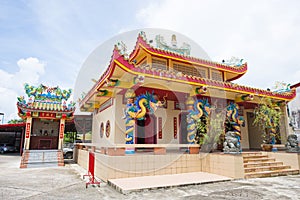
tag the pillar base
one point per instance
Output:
(130, 151)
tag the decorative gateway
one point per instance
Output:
(47, 107)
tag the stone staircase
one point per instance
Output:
(42, 158)
(257, 165)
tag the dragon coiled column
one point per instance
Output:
(196, 109)
(129, 120)
(136, 110)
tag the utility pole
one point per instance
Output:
(2, 117)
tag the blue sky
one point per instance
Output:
(47, 41)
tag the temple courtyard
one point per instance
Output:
(67, 183)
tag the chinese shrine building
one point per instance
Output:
(45, 113)
(154, 97)
(170, 75)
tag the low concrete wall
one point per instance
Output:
(291, 159)
(82, 158)
(224, 164)
(110, 167)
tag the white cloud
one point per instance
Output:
(264, 33)
(11, 84)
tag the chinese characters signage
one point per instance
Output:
(27, 133)
(175, 127)
(159, 128)
(61, 131)
(47, 115)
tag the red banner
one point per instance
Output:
(27, 133)
(175, 127)
(61, 131)
(47, 115)
(159, 128)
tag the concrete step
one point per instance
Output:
(260, 164)
(254, 156)
(266, 168)
(251, 153)
(252, 160)
(44, 164)
(262, 174)
(42, 158)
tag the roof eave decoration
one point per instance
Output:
(240, 68)
(104, 79)
(228, 86)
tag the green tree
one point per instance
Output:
(210, 129)
(16, 121)
(267, 118)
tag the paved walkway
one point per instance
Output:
(63, 183)
(126, 185)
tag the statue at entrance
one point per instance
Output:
(232, 143)
(292, 144)
(233, 127)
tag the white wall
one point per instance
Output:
(167, 124)
(104, 116)
(119, 121)
(244, 131)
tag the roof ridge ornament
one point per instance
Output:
(234, 62)
(185, 48)
(122, 48)
(45, 93)
(281, 87)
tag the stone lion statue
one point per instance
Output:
(231, 143)
(292, 143)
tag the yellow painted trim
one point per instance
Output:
(149, 60)
(170, 64)
(192, 83)
(186, 61)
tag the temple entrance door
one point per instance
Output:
(183, 128)
(44, 134)
(254, 133)
(150, 129)
(146, 130)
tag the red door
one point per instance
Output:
(183, 128)
(146, 130)
(150, 129)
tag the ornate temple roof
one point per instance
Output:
(43, 100)
(120, 60)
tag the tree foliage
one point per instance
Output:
(16, 121)
(210, 128)
(267, 118)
